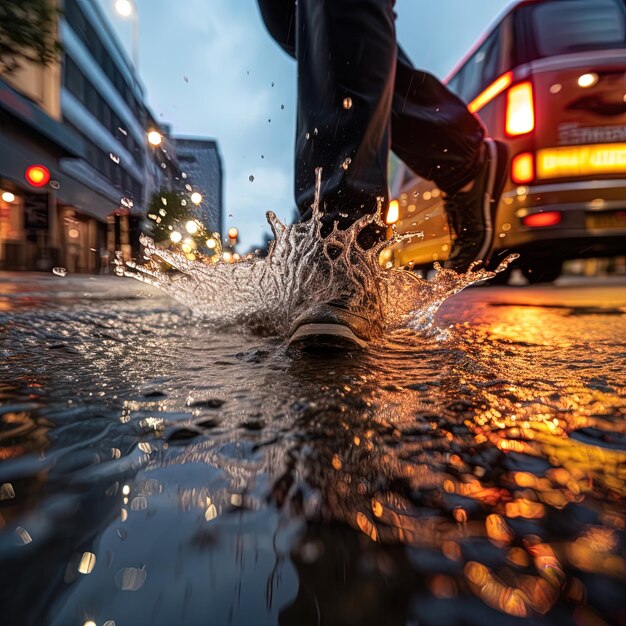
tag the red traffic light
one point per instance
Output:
(38, 175)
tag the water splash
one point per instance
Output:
(302, 269)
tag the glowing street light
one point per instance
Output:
(191, 227)
(7, 196)
(233, 233)
(196, 197)
(124, 7)
(175, 236)
(155, 138)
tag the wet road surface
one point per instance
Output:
(154, 471)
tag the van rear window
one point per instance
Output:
(564, 26)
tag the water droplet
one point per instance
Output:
(7, 492)
(130, 578)
(211, 511)
(346, 163)
(251, 178)
(308, 136)
(139, 503)
(23, 535)
(347, 103)
(87, 563)
(315, 131)
(59, 271)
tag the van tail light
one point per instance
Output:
(393, 213)
(523, 168)
(494, 90)
(520, 109)
(541, 220)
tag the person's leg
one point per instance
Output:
(440, 140)
(432, 130)
(346, 53)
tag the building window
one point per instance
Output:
(74, 80)
(80, 87)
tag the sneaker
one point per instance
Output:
(472, 213)
(334, 325)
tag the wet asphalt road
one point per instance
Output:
(155, 471)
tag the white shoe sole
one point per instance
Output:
(311, 335)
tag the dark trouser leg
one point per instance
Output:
(346, 53)
(432, 130)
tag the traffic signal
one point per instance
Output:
(37, 175)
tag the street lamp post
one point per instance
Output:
(128, 8)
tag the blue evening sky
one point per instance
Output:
(208, 67)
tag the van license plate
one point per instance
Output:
(606, 158)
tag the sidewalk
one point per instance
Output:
(14, 285)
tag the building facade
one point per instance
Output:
(85, 121)
(201, 162)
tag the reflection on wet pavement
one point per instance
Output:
(156, 472)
